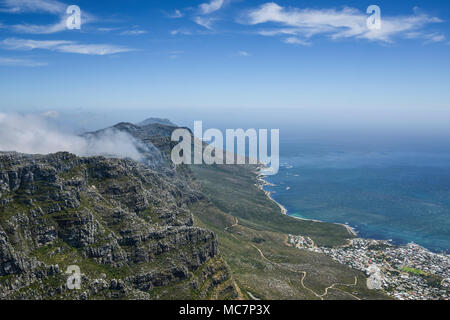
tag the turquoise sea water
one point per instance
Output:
(403, 196)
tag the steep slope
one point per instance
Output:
(126, 226)
(154, 231)
(153, 141)
(252, 233)
(253, 239)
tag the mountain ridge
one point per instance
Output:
(125, 225)
(151, 121)
(153, 230)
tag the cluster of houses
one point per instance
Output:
(404, 272)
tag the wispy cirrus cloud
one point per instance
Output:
(212, 6)
(39, 29)
(240, 54)
(294, 40)
(432, 37)
(205, 22)
(64, 46)
(302, 24)
(243, 54)
(46, 29)
(133, 32)
(53, 7)
(176, 14)
(206, 9)
(175, 54)
(21, 6)
(106, 29)
(16, 62)
(181, 31)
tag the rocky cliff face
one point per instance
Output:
(126, 226)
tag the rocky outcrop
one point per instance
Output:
(126, 226)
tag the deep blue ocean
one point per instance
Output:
(398, 195)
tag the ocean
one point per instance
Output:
(403, 196)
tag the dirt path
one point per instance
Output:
(252, 296)
(342, 284)
(304, 273)
(234, 225)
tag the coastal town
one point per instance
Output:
(408, 272)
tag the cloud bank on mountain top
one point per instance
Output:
(34, 134)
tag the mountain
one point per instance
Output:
(152, 230)
(151, 155)
(150, 121)
(152, 140)
(125, 225)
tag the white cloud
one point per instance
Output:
(205, 22)
(176, 15)
(133, 32)
(175, 54)
(92, 49)
(434, 37)
(63, 46)
(48, 29)
(20, 6)
(14, 62)
(41, 6)
(180, 31)
(34, 135)
(23, 44)
(294, 40)
(243, 54)
(39, 29)
(213, 6)
(274, 32)
(344, 23)
(103, 29)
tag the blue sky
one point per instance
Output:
(297, 61)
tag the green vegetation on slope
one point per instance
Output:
(235, 190)
(252, 235)
(124, 225)
(414, 271)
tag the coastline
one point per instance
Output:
(263, 183)
(413, 263)
(354, 233)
